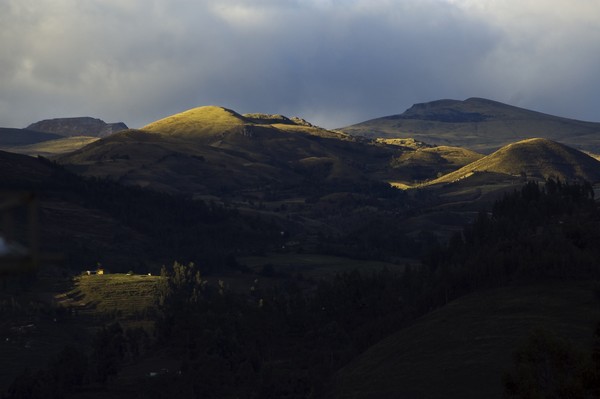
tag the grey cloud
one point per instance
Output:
(332, 62)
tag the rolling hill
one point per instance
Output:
(421, 161)
(56, 136)
(212, 150)
(19, 137)
(478, 124)
(53, 147)
(462, 349)
(538, 158)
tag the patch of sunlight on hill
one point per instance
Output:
(124, 295)
(208, 120)
(55, 147)
(400, 185)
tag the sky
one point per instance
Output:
(332, 62)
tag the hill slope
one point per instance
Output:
(478, 124)
(17, 137)
(462, 349)
(57, 146)
(535, 158)
(421, 161)
(212, 150)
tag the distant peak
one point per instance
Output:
(77, 126)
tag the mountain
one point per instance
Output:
(211, 124)
(478, 124)
(212, 150)
(81, 126)
(18, 137)
(540, 158)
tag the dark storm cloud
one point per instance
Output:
(333, 62)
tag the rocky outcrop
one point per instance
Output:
(83, 126)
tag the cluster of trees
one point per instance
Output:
(270, 343)
(73, 368)
(286, 343)
(538, 232)
(550, 367)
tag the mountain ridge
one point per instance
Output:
(478, 124)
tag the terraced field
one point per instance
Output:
(125, 296)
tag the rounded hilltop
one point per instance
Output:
(534, 157)
(200, 121)
(214, 122)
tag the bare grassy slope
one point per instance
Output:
(534, 157)
(17, 137)
(462, 349)
(211, 123)
(54, 147)
(478, 124)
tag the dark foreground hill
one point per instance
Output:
(478, 124)
(462, 349)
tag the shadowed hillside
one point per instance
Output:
(478, 124)
(462, 349)
(532, 158)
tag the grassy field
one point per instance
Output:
(119, 294)
(59, 312)
(462, 349)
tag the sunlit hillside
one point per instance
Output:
(536, 157)
(429, 162)
(201, 121)
(126, 295)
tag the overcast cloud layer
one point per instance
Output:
(333, 62)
